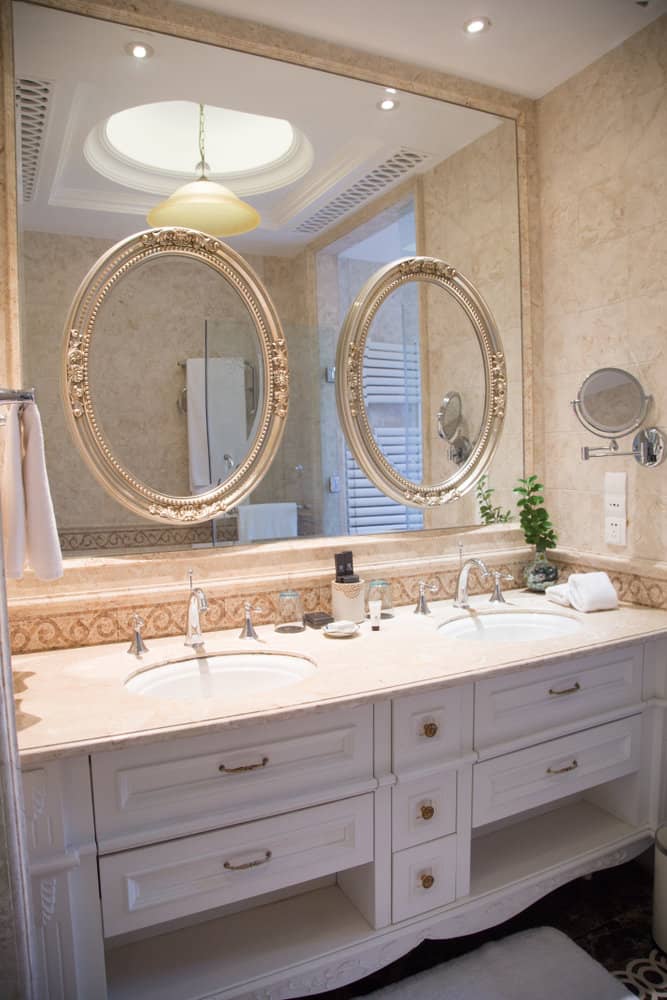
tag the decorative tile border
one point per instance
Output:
(39, 630)
(126, 537)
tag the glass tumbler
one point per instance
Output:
(290, 612)
(380, 590)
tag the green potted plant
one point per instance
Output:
(538, 531)
(488, 513)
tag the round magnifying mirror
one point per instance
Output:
(611, 403)
(449, 416)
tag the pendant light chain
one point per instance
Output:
(202, 140)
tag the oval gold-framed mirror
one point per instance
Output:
(89, 384)
(476, 337)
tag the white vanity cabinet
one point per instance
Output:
(277, 859)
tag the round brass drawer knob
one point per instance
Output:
(427, 881)
(430, 729)
(427, 812)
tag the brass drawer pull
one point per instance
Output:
(427, 812)
(427, 881)
(573, 690)
(563, 770)
(430, 729)
(244, 767)
(248, 864)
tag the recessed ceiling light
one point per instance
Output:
(388, 104)
(140, 50)
(390, 90)
(476, 25)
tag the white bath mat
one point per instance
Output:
(538, 964)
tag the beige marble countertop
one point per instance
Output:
(74, 701)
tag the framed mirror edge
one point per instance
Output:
(352, 409)
(79, 399)
(226, 32)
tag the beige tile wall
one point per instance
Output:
(603, 172)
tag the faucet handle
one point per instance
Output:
(422, 604)
(137, 646)
(248, 630)
(498, 577)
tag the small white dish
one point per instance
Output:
(341, 630)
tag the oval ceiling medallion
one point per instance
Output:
(153, 146)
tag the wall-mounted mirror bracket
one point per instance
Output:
(648, 448)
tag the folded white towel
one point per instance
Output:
(559, 594)
(263, 521)
(42, 543)
(11, 496)
(591, 592)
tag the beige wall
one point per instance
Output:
(603, 166)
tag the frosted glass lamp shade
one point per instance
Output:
(206, 206)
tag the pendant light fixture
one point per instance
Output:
(205, 205)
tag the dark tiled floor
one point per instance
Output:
(608, 915)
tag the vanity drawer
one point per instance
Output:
(165, 881)
(532, 777)
(518, 704)
(182, 786)
(432, 727)
(423, 809)
(423, 878)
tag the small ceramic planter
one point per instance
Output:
(540, 573)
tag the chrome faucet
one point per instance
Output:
(197, 605)
(462, 583)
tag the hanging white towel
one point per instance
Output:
(42, 543)
(262, 521)
(216, 445)
(12, 498)
(591, 592)
(29, 524)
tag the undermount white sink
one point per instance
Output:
(216, 675)
(511, 626)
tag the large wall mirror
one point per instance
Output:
(343, 188)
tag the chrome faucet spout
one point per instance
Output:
(197, 605)
(462, 600)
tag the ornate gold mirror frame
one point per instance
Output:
(350, 390)
(78, 399)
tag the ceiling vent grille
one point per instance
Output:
(394, 168)
(32, 107)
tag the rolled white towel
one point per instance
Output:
(559, 593)
(592, 592)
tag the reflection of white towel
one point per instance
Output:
(261, 521)
(29, 523)
(592, 592)
(223, 439)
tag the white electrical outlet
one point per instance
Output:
(615, 509)
(614, 530)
